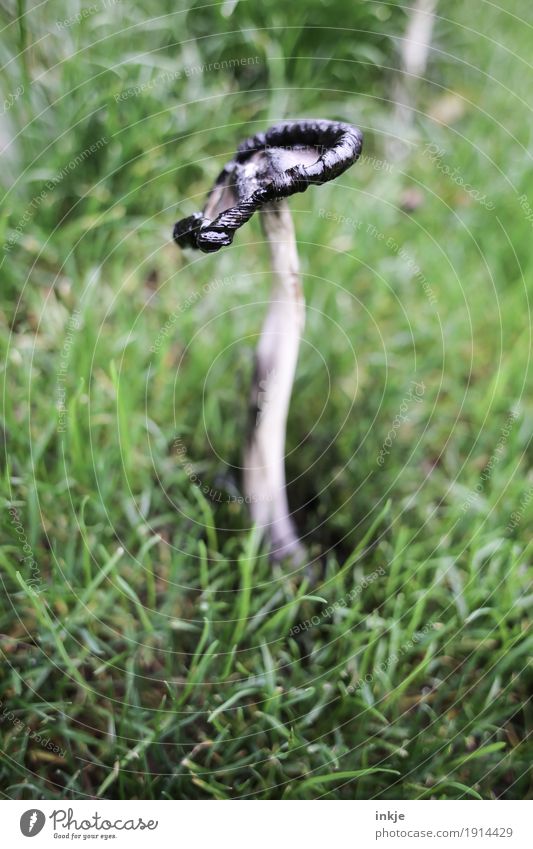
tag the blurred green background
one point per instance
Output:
(158, 650)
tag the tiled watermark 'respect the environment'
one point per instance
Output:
(404, 255)
(392, 658)
(414, 396)
(374, 232)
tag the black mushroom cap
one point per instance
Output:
(269, 166)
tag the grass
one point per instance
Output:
(164, 656)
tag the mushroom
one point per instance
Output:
(268, 168)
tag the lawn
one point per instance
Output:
(150, 648)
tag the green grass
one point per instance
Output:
(165, 657)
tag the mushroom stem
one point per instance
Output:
(276, 357)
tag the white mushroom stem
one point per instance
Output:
(276, 357)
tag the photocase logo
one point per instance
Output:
(32, 822)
